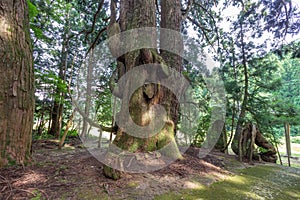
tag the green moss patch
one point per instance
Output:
(260, 182)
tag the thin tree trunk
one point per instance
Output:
(57, 112)
(88, 95)
(69, 124)
(288, 142)
(41, 121)
(16, 83)
(235, 99)
(242, 114)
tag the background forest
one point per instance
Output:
(258, 62)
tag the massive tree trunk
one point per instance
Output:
(171, 19)
(137, 14)
(16, 83)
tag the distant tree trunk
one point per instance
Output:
(68, 126)
(41, 121)
(251, 135)
(16, 83)
(136, 14)
(241, 118)
(56, 119)
(85, 127)
(222, 141)
(57, 111)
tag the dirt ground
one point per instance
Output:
(75, 174)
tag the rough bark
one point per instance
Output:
(16, 83)
(270, 154)
(136, 14)
(251, 134)
(171, 17)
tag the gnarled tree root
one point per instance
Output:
(246, 145)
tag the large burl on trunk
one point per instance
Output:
(16, 83)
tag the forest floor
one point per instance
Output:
(72, 173)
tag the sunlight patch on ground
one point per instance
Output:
(192, 185)
(292, 194)
(238, 180)
(30, 178)
(258, 183)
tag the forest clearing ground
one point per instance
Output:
(75, 174)
(295, 150)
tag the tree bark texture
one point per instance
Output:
(137, 14)
(16, 83)
(251, 134)
(171, 17)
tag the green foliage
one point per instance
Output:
(72, 133)
(33, 15)
(262, 150)
(273, 79)
(244, 53)
(62, 33)
(295, 140)
(11, 162)
(37, 195)
(202, 97)
(33, 11)
(202, 130)
(43, 136)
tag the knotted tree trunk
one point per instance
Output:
(251, 135)
(138, 14)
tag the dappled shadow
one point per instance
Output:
(75, 174)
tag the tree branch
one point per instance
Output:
(95, 41)
(92, 123)
(186, 11)
(100, 5)
(203, 29)
(157, 7)
(212, 18)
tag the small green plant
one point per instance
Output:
(262, 150)
(37, 195)
(43, 136)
